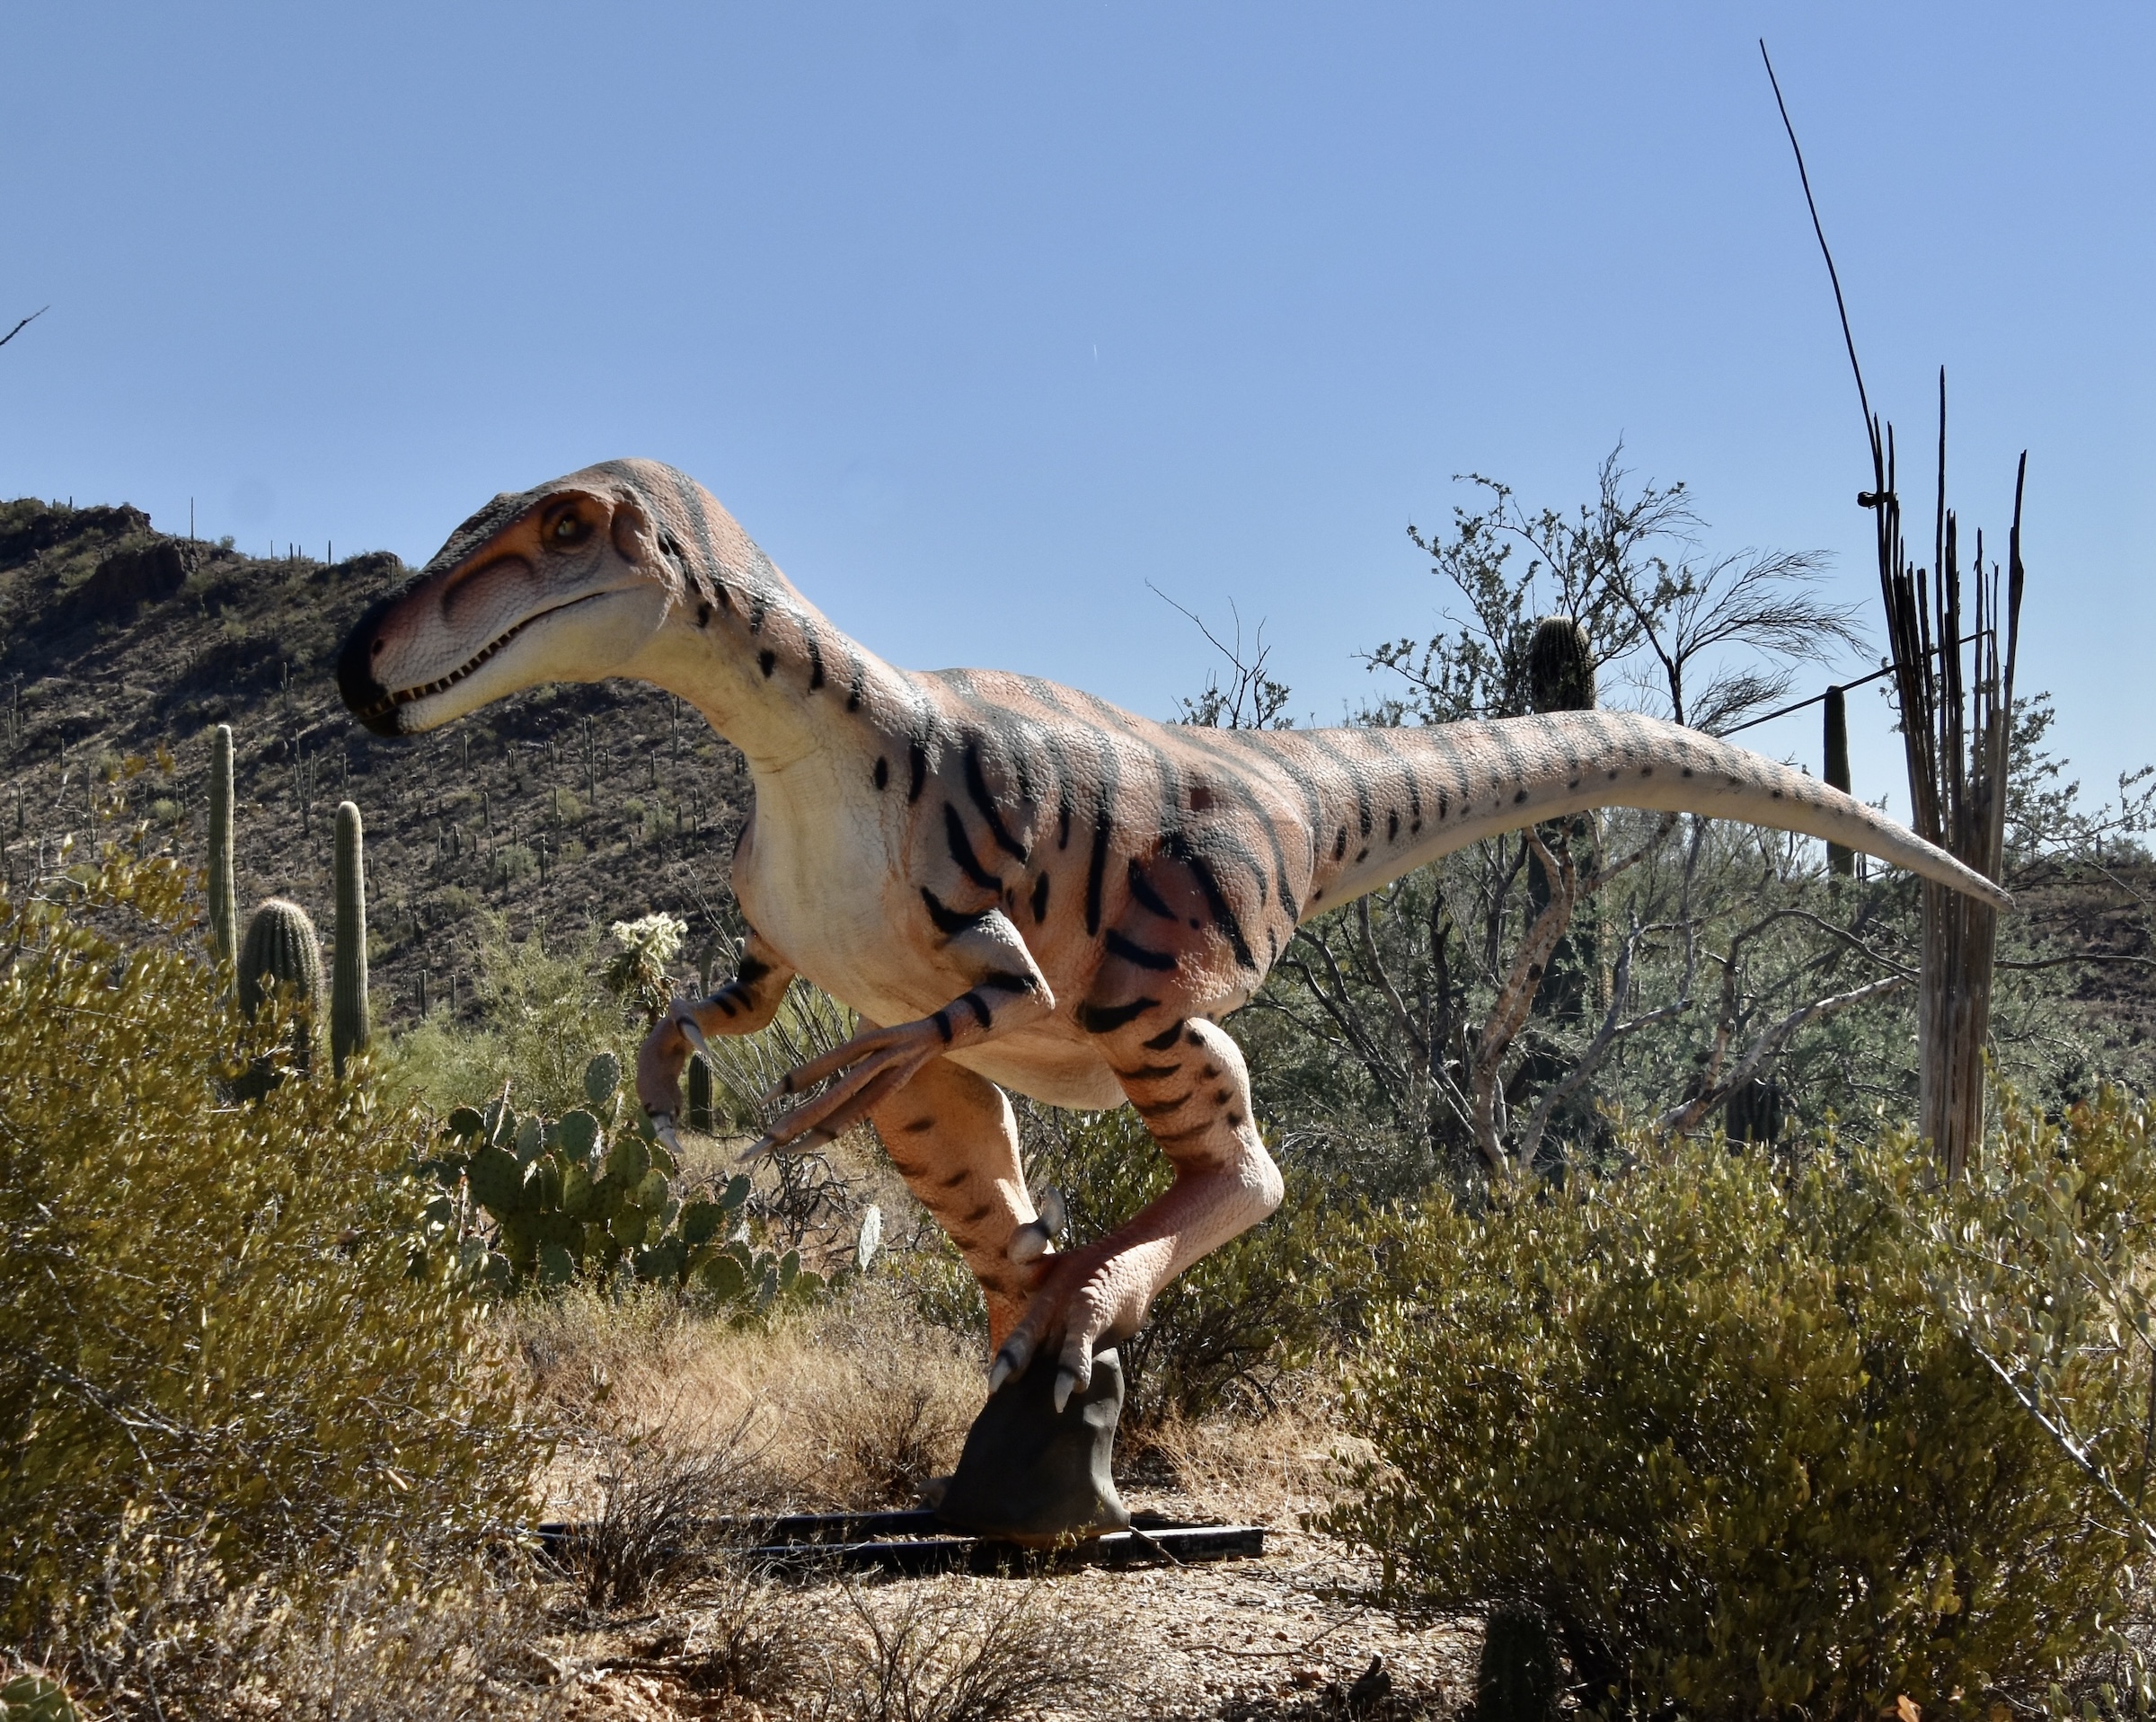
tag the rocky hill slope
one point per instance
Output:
(563, 808)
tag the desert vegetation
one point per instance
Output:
(1619, 1350)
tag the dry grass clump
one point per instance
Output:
(852, 1405)
(1257, 1471)
(959, 1652)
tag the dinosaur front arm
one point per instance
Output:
(744, 1004)
(1006, 991)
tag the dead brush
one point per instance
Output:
(665, 1490)
(959, 1653)
(733, 1631)
(890, 1409)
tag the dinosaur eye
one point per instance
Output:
(569, 529)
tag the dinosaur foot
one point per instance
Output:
(1031, 1473)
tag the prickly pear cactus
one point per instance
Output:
(550, 1198)
(280, 950)
(347, 998)
(224, 894)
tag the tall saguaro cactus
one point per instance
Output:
(1840, 862)
(224, 894)
(348, 986)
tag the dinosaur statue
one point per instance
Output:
(1018, 883)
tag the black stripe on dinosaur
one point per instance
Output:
(1040, 899)
(1216, 900)
(1164, 1039)
(882, 772)
(962, 851)
(1141, 888)
(916, 762)
(976, 786)
(1106, 1019)
(950, 922)
(1129, 951)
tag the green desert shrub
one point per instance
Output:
(544, 1012)
(224, 1330)
(1718, 1420)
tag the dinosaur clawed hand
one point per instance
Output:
(870, 1066)
(1088, 1297)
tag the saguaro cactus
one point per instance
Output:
(348, 993)
(1561, 666)
(280, 950)
(1840, 862)
(223, 894)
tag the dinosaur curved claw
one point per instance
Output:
(1029, 1243)
(662, 1126)
(694, 1035)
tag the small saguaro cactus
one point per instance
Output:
(280, 950)
(1840, 862)
(224, 908)
(700, 1093)
(348, 993)
(1561, 666)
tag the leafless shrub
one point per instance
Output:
(662, 1491)
(958, 1654)
(737, 1632)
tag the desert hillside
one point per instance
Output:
(563, 809)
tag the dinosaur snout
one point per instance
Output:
(356, 678)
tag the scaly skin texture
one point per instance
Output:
(1027, 885)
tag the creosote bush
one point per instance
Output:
(1718, 1420)
(225, 1333)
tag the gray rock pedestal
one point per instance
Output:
(1033, 1475)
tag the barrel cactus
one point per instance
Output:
(348, 993)
(1561, 666)
(223, 896)
(1840, 862)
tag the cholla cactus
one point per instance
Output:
(637, 973)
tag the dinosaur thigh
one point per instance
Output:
(953, 1139)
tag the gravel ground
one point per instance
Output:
(1285, 1636)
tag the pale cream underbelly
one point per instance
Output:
(1047, 1067)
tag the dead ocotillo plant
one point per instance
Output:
(1957, 720)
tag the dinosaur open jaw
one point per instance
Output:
(375, 709)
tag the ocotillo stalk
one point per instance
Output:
(347, 991)
(223, 894)
(1841, 862)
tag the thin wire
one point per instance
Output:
(1753, 723)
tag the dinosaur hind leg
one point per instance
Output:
(1193, 1090)
(954, 1140)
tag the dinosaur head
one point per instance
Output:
(564, 583)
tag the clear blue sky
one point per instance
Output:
(981, 317)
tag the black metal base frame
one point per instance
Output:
(905, 1544)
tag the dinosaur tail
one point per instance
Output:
(1391, 800)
